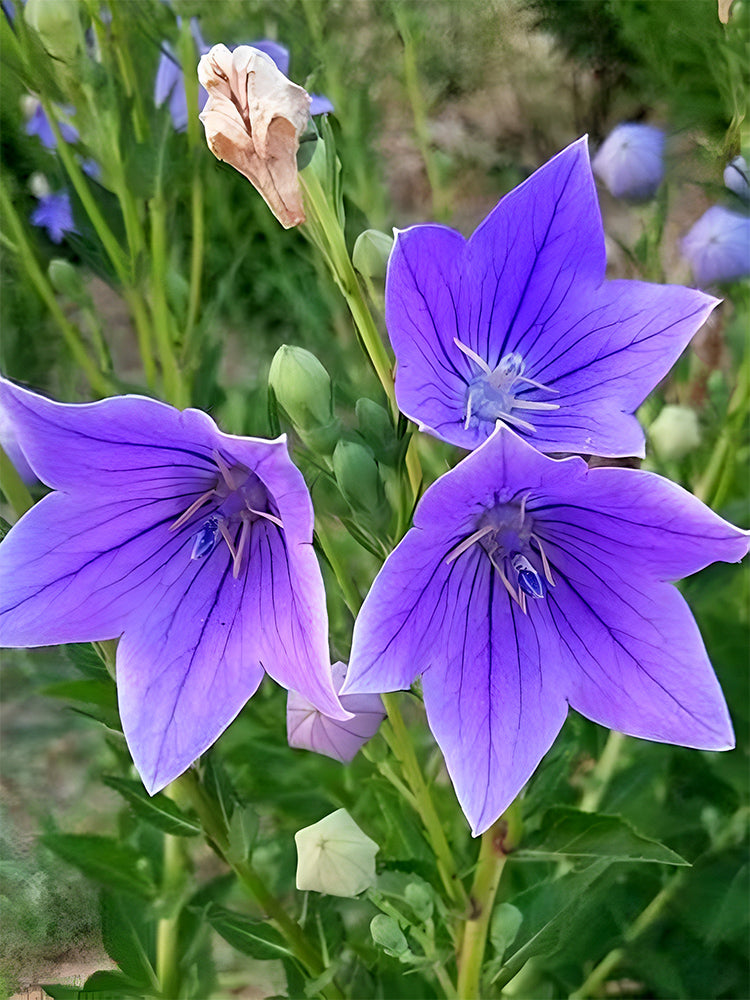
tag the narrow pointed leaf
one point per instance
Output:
(159, 810)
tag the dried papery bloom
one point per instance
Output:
(253, 119)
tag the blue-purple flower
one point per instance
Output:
(518, 324)
(630, 161)
(55, 215)
(737, 177)
(38, 125)
(340, 739)
(528, 585)
(191, 546)
(718, 246)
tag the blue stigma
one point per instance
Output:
(206, 539)
(530, 582)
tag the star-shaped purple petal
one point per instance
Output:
(309, 729)
(519, 325)
(191, 546)
(527, 585)
(54, 214)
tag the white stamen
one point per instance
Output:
(537, 385)
(473, 355)
(517, 421)
(468, 413)
(533, 404)
(467, 543)
(194, 506)
(507, 585)
(545, 563)
(241, 546)
(268, 517)
(225, 471)
(228, 539)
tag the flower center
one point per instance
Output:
(506, 533)
(494, 393)
(242, 500)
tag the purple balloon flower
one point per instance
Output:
(718, 246)
(309, 729)
(191, 546)
(529, 584)
(38, 124)
(630, 161)
(54, 213)
(517, 324)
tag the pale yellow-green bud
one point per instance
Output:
(371, 252)
(334, 856)
(358, 477)
(386, 933)
(302, 387)
(66, 280)
(675, 432)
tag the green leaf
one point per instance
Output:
(104, 860)
(159, 809)
(252, 937)
(551, 911)
(110, 985)
(570, 833)
(59, 992)
(129, 938)
(89, 691)
(85, 658)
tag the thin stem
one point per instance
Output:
(167, 930)
(196, 264)
(348, 589)
(215, 829)
(397, 737)
(599, 974)
(414, 92)
(70, 333)
(497, 844)
(601, 775)
(714, 483)
(13, 487)
(82, 189)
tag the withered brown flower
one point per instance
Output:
(253, 119)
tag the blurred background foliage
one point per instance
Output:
(440, 108)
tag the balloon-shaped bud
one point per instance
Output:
(334, 856)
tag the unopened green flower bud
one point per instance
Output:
(67, 281)
(58, 23)
(675, 432)
(358, 477)
(371, 252)
(335, 856)
(302, 387)
(388, 935)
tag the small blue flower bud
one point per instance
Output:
(206, 539)
(530, 582)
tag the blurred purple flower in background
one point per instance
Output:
(38, 124)
(170, 80)
(736, 177)
(518, 324)
(630, 161)
(55, 215)
(193, 547)
(528, 585)
(718, 246)
(309, 729)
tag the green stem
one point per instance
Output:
(82, 189)
(713, 485)
(70, 333)
(167, 930)
(397, 737)
(215, 828)
(337, 256)
(13, 487)
(414, 93)
(654, 909)
(601, 775)
(348, 589)
(174, 390)
(497, 844)
(196, 265)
